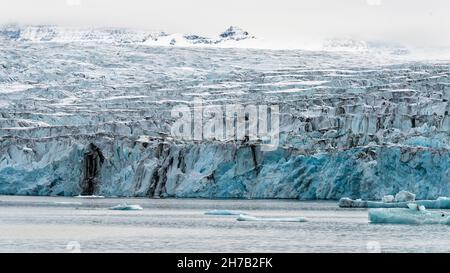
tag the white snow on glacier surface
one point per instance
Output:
(6, 88)
(352, 124)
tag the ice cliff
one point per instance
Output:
(79, 118)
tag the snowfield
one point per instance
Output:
(95, 107)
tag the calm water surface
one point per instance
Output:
(61, 224)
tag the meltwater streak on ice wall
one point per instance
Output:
(78, 117)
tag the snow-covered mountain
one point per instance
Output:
(236, 34)
(232, 35)
(348, 44)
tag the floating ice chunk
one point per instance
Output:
(243, 217)
(224, 212)
(415, 215)
(89, 196)
(388, 199)
(346, 202)
(414, 206)
(125, 206)
(68, 203)
(405, 196)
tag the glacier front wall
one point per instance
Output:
(220, 170)
(72, 115)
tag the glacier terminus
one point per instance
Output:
(87, 112)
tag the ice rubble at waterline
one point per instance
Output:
(439, 203)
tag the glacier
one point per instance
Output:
(88, 113)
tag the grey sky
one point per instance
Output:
(413, 22)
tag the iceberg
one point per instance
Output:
(404, 196)
(125, 206)
(388, 199)
(411, 216)
(268, 219)
(224, 212)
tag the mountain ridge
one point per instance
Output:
(51, 33)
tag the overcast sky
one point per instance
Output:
(413, 22)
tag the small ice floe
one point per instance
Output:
(414, 206)
(224, 212)
(125, 206)
(90, 196)
(68, 203)
(413, 215)
(243, 217)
